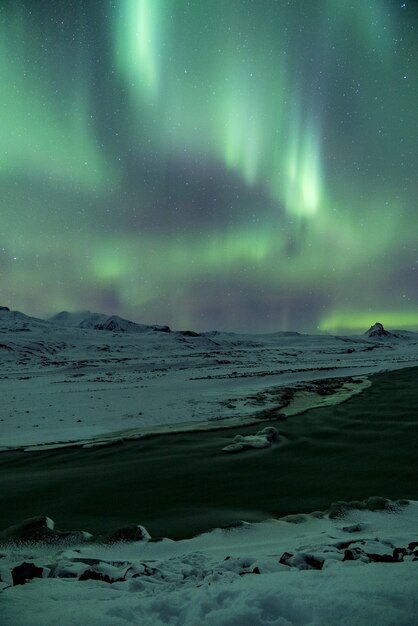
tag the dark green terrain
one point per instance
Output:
(179, 485)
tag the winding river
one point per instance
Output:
(180, 485)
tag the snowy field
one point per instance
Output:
(90, 379)
(61, 383)
(350, 567)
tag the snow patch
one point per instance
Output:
(263, 439)
(358, 569)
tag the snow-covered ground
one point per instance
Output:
(348, 567)
(60, 382)
(92, 379)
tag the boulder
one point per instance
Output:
(40, 529)
(135, 532)
(24, 572)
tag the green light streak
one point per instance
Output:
(362, 320)
(253, 119)
(38, 139)
(251, 145)
(182, 257)
(110, 263)
(137, 45)
(303, 168)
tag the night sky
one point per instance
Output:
(247, 165)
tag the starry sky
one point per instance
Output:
(246, 165)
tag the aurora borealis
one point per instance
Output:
(233, 164)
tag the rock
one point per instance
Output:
(91, 574)
(24, 572)
(285, 558)
(234, 525)
(263, 439)
(382, 558)
(40, 529)
(256, 570)
(355, 528)
(270, 433)
(377, 330)
(126, 534)
(313, 563)
(399, 553)
(301, 561)
(377, 503)
(340, 508)
(355, 554)
(32, 529)
(348, 555)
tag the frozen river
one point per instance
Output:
(179, 485)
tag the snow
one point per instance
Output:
(101, 321)
(275, 572)
(73, 379)
(263, 439)
(62, 383)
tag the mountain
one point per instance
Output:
(16, 321)
(377, 331)
(101, 321)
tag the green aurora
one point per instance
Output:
(242, 165)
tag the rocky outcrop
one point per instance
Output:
(41, 529)
(135, 532)
(378, 331)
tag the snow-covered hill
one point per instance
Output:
(68, 379)
(95, 379)
(101, 321)
(379, 333)
(15, 321)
